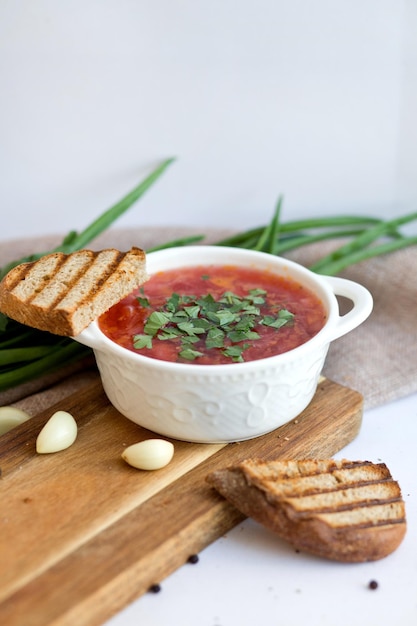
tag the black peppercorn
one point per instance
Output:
(373, 584)
(193, 558)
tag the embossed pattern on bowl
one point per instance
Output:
(233, 402)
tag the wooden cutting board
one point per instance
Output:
(82, 534)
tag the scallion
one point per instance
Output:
(35, 352)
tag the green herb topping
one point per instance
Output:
(227, 323)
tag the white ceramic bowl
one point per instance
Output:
(232, 402)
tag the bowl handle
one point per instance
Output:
(88, 337)
(362, 304)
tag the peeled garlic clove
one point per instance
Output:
(59, 433)
(10, 417)
(151, 454)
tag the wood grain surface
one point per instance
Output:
(83, 534)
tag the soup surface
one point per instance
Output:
(214, 314)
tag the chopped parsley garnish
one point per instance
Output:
(227, 323)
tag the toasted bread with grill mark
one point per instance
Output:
(63, 293)
(349, 511)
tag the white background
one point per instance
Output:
(312, 99)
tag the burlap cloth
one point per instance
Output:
(378, 359)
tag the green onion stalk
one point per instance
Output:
(26, 353)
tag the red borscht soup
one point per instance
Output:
(209, 315)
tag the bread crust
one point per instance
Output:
(63, 293)
(309, 531)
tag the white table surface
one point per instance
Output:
(250, 577)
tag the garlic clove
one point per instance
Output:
(59, 433)
(151, 454)
(10, 417)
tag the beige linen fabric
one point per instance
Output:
(378, 359)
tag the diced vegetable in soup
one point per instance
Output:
(209, 315)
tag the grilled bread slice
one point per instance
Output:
(342, 510)
(63, 293)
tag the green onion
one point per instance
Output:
(298, 226)
(332, 267)
(268, 239)
(75, 241)
(63, 353)
(357, 249)
(36, 352)
(19, 355)
(364, 234)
